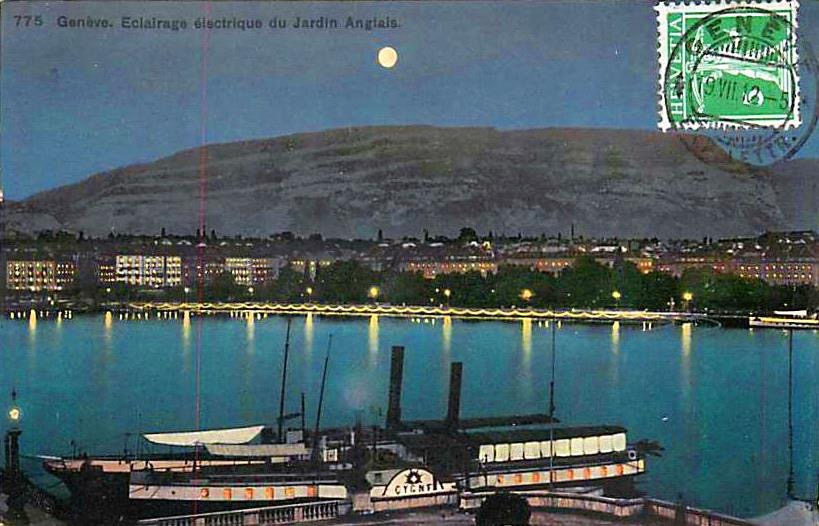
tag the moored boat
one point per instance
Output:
(799, 319)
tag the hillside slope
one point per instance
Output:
(351, 182)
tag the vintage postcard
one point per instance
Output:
(552, 262)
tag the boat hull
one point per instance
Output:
(784, 323)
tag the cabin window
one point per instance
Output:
(591, 445)
(501, 452)
(487, 453)
(577, 446)
(562, 448)
(268, 493)
(289, 493)
(546, 449)
(248, 493)
(531, 450)
(618, 442)
(227, 493)
(516, 451)
(606, 444)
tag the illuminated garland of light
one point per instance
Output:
(408, 311)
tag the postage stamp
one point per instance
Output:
(728, 65)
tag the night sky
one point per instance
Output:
(79, 101)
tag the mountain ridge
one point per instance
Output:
(351, 182)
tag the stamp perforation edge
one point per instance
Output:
(664, 8)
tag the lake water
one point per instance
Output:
(715, 398)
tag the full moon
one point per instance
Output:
(387, 57)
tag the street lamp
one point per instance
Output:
(526, 294)
(14, 413)
(616, 295)
(309, 292)
(687, 297)
(373, 293)
(250, 290)
(447, 294)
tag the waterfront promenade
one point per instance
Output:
(795, 513)
(409, 311)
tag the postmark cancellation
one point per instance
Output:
(728, 65)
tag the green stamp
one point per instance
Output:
(728, 65)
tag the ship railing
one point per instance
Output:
(618, 508)
(268, 516)
(580, 461)
(229, 478)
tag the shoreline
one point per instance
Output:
(126, 310)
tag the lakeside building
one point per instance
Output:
(106, 270)
(203, 269)
(555, 263)
(310, 267)
(780, 272)
(311, 261)
(436, 259)
(779, 258)
(149, 271)
(551, 263)
(249, 271)
(776, 258)
(432, 268)
(781, 264)
(677, 264)
(39, 275)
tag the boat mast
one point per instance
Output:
(552, 383)
(303, 424)
(790, 482)
(284, 382)
(321, 398)
(552, 408)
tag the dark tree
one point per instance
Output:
(467, 234)
(503, 509)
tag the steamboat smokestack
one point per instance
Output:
(396, 379)
(453, 414)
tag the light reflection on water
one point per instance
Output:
(308, 334)
(372, 338)
(714, 398)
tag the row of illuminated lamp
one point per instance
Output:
(525, 294)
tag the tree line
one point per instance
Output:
(587, 284)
